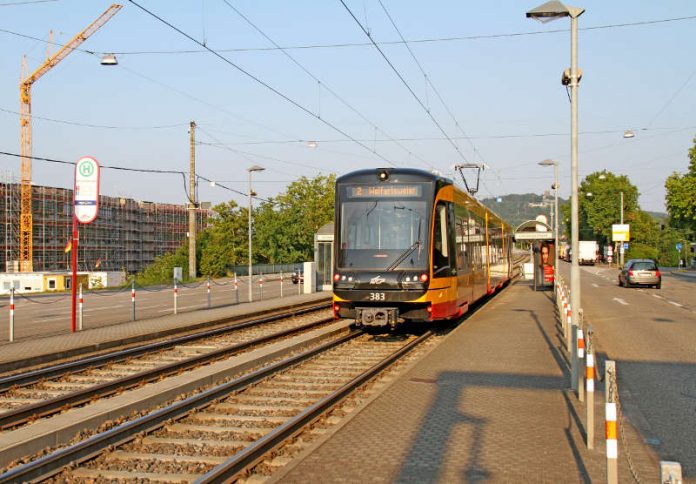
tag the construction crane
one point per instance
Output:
(26, 248)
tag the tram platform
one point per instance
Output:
(38, 349)
(491, 403)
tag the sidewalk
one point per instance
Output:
(489, 403)
(41, 349)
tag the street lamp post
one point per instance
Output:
(554, 163)
(544, 13)
(250, 170)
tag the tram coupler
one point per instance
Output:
(378, 317)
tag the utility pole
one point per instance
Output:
(621, 249)
(192, 203)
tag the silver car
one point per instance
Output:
(640, 272)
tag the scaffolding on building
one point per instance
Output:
(126, 236)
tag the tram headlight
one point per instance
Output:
(424, 277)
(383, 175)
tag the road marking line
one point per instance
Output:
(595, 285)
(676, 304)
(620, 301)
(658, 296)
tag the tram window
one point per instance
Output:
(442, 241)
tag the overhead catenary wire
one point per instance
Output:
(368, 44)
(429, 81)
(138, 170)
(322, 84)
(99, 126)
(403, 81)
(261, 82)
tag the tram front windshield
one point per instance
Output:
(383, 234)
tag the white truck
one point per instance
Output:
(587, 252)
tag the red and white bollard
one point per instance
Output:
(281, 284)
(81, 302)
(11, 329)
(176, 296)
(133, 301)
(236, 289)
(261, 286)
(208, 287)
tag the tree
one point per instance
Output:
(224, 243)
(600, 204)
(285, 225)
(681, 195)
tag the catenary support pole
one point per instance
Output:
(192, 205)
(581, 357)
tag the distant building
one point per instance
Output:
(126, 236)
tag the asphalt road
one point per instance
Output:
(651, 334)
(51, 314)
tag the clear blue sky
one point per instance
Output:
(505, 92)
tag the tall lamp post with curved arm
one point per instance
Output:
(545, 13)
(250, 170)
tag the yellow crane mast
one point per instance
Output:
(26, 249)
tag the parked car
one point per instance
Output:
(640, 272)
(297, 276)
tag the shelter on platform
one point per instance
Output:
(541, 235)
(323, 256)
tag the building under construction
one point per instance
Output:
(127, 234)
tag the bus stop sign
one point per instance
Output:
(86, 194)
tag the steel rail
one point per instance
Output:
(21, 415)
(234, 466)
(54, 462)
(22, 379)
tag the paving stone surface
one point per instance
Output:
(491, 403)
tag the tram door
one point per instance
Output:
(324, 264)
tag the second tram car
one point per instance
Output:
(411, 246)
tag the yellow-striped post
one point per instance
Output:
(590, 388)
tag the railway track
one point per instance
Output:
(29, 396)
(224, 431)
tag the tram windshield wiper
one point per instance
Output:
(403, 256)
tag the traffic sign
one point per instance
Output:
(620, 232)
(86, 194)
(625, 245)
(679, 246)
